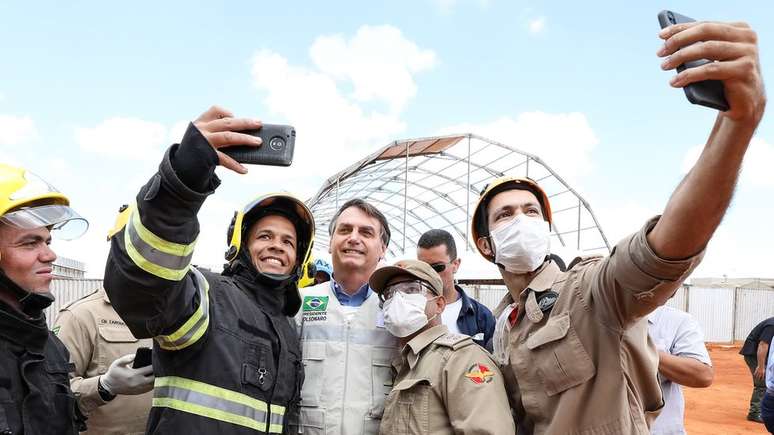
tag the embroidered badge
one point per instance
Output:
(315, 308)
(479, 374)
(546, 300)
(315, 303)
(56, 329)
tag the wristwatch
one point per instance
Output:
(106, 395)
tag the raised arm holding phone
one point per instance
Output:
(226, 358)
(573, 345)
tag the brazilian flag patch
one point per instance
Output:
(315, 303)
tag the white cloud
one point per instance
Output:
(16, 130)
(379, 61)
(537, 25)
(335, 129)
(756, 169)
(124, 137)
(564, 141)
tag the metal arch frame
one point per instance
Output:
(347, 182)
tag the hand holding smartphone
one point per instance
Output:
(709, 93)
(277, 148)
(143, 357)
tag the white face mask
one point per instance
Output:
(521, 244)
(405, 314)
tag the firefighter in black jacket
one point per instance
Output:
(35, 396)
(226, 357)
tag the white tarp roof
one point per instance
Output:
(421, 184)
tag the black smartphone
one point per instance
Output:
(709, 93)
(277, 149)
(143, 357)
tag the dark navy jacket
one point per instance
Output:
(475, 319)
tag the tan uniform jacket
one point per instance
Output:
(446, 384)
(586, 365)
(96, 336)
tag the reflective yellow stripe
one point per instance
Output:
(218, 403)
(196, 325)
(153, 254)
(275, 418)
(172, 248)
(214, 414)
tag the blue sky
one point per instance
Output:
(91, 93)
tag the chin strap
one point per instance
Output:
(32, 303)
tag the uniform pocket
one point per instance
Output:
(562, 361)
(312, 421)
(313, 357)
(381, 379)
(406, 411)
(115, 338)
(258, 369)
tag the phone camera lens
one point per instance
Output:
(671, 17)
(277, 143)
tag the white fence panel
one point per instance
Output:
(488, 295)
(752, 306)
(713, 309)
(679, 300)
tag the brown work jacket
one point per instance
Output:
(446, 384)
(580, 360)
(96, 336)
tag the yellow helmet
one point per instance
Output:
(480, 225)
(27, 201)
(282, 204)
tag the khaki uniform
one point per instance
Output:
(446, 384)
(586, 364)
(96, 336)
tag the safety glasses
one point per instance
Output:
(405, 287)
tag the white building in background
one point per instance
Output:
(68, 268)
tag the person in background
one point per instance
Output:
(767, 403)
(114, 396)
(755, 351)
(323, 271)
(463, 314)
(683, 360)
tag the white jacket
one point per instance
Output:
(347, 364)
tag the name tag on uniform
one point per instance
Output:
(380, 319)
(479, 336)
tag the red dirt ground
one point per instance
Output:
(722, 408)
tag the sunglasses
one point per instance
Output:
(440, 267)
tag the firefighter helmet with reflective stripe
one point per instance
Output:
(282, 204)
(480, 223)
(27, 201)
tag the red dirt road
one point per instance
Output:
(722, 408)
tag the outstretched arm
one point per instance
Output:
(698, 204)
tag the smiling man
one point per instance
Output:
(346, 349)
(225, 356)
(35, 395)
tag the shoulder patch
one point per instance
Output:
(454, 341)
(85, 298)
(586, 259)
(479, 374)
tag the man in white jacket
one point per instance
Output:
(346, 349)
